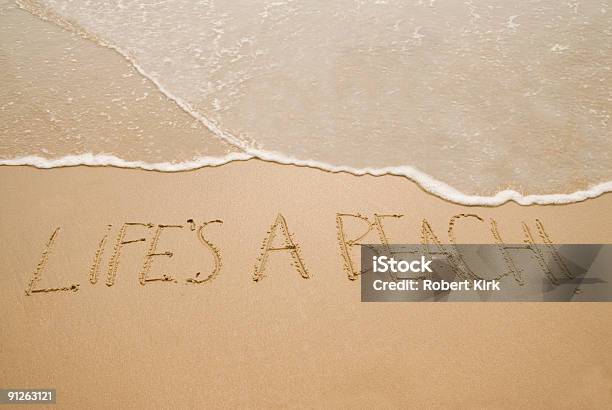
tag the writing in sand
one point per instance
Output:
(278, 239)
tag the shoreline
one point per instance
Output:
(425, 182)
(198, 135)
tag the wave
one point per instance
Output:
(428, 183)
(272, 109)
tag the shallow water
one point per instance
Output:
(65, 95)
(466, 97)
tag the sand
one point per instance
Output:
(283, 341)
(209, 321)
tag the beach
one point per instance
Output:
(283, 340)
(185, 188)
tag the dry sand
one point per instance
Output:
(283, 341)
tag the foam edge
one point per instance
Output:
(425, 181)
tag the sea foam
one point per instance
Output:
(428, 183)
(469, 101)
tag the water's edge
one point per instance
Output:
(425, 181)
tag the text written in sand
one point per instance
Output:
(277, 240)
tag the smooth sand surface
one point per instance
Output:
(284, 340)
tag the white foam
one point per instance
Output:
(428, 183)
(99, 160)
